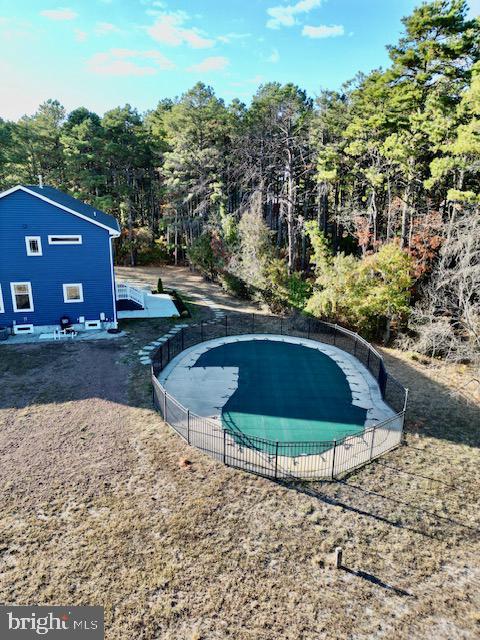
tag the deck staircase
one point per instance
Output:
(130, 297)
(135, 300)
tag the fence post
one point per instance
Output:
(253, 323)
(165, 406)
(338, 557)
(168, 350)
(403, 413)
(188, 426)
(226, 325)
(355, 347)
(276, 460)
(224, 447)
(334, 334)
(281, 326)
(333, 459)
(373, 439)
(308, 330)
(368, 359)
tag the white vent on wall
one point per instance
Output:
(93, 324)
(23, 328)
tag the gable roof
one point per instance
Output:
(70, 204)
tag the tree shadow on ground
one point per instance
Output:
(435, 409)
(387, 510)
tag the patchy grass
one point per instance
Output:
(96, 509)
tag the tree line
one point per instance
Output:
(361, 205)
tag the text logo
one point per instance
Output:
(56, 623)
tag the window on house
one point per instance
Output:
(65, 239)
(2, 306)
(22, 296)
(72, 293)
(34, 245)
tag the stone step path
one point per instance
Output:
(146, 351)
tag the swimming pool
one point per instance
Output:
(308, 400)
(275, 393)
(285, 392)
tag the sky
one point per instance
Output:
(104, 53)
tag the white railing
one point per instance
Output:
(126, 291)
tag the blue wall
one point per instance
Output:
(22, 214)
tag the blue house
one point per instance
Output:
(56, 261)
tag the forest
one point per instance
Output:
(360, 206)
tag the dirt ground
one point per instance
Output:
(96, 509)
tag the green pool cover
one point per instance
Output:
(287, 393)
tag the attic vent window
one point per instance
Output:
(64, 239)
(34, 245)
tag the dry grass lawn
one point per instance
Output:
(96, 509)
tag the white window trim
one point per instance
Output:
(27, 243)
(2, 306)
(66, 239)
(14, 300)
(72, 284)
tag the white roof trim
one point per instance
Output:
(20, 187)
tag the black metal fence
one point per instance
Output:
(301, 460)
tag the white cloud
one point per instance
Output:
(105, 28)
(60, 14)
(160, 4)
(228, 37)
(284, 15)
(323, 31)
(214, 63)
(16, 30)
(168, 29)
(80, 36)
(129, 62)
(274, 57)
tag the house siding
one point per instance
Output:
(89, 263)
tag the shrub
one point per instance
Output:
(255, 248)
(140, 248)
(284, 290)
(299, 290)
(362, 293)
(202, 255)
(234, 285)
(156, 253)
